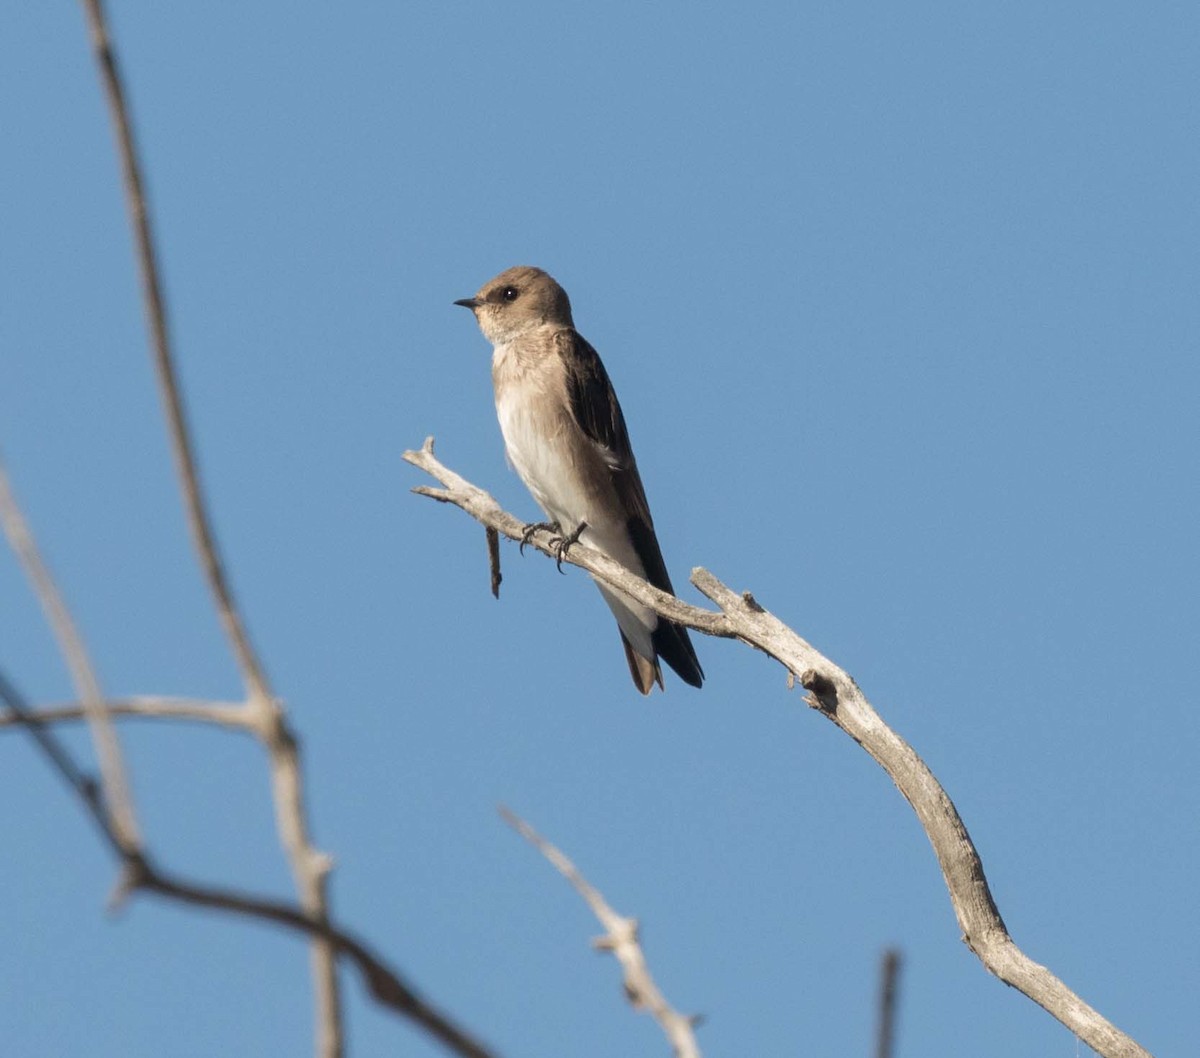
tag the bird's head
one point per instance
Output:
(517, 300)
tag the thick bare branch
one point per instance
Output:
(83, 675)
(310, 868)
(621, 938)
(836, 696)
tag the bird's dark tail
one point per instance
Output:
(645, 673)
(674, 646)
(670, 640)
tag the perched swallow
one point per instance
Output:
(565, 435)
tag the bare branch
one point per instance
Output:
(837, 697)
(223, 714)
(384, 983)
(83, 675)
(889, 976)
(621, 938)
(82, 784)
(484, 509)
(140, 873)
(160, 339)
(493, 546)
(310, 868)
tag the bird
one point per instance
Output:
(565, 435)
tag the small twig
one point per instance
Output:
(837, 697)
(889, 978)
(621, 938)
(83, 675)
(493, 546)
(223, 714)
(140, 873)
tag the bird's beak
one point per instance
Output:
(468, 303)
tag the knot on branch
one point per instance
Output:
(321, 864)
(624, 932)
(822, 690)
(89, 790)
(385, 987)
(751, 603)
(136, 873)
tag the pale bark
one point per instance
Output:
(113, 773)
(621, 937)
(837, 697)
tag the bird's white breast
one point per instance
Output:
(534, 419)
(567, 473)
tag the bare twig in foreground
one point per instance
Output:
(621, 938)
(152, 707)
(83, 675)
(310, 868)
(139, 873)
(160, 339)
(837, 697)
(82, 784)
(889, 976)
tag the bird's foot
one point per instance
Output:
(532, 528)
(565, 542)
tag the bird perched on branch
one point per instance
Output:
(565, 435)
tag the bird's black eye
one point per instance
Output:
(510, 293)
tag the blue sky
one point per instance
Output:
(901, 306)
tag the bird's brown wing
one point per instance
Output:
(598, 412)
(596, 409)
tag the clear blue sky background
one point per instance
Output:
(901, 303)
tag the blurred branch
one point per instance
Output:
(310, 868)
(83, 675)
(889, 976)
(837, 697)
(621, 938)
(82, 784)
(160, 341)
(140, 873)
(113, 814)
(223, 714)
